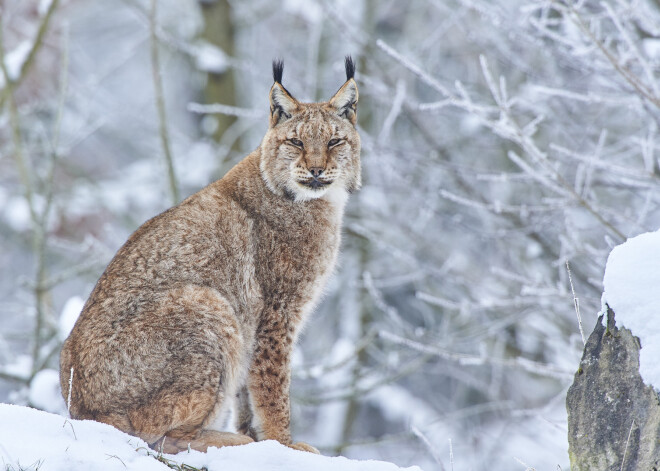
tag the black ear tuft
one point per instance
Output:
(350, 67)
(278, 70)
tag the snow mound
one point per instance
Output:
(632, 289)
(45, 391)
(51, 442)
(70, 313)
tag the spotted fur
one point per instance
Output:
(202, 305)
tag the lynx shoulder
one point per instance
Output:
(203, 303)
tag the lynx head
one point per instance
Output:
(311, 149)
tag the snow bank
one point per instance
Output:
(70, 313)
(632, 289)
(45, 392)
(29, 436)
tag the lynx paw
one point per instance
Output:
(304, 447)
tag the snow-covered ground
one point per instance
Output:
(31, 439)
(632, 280)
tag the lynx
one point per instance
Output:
(201, 307)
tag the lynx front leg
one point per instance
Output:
(268, 383)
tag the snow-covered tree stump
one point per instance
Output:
(613, 407)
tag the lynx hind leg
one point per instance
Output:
(190, 412)
(173, 443)
(302, 446)
(195, 357)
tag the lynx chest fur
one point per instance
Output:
(200, 309)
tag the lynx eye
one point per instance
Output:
(333, 142)
(296, 142)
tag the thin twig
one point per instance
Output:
(115, 456)
(473, 360)
(14, 122)
(38, 223)
(218, 108)
(576, 303)
(359, 391)
(13, 377)
(160, 104)
(527, 467)
(32, 53)
(418, 433)
(512, 132)
(451, 455)
(525, 142)
(632, 79)
(66, 421)
(423, 76)
(68, 399)
(360, 346)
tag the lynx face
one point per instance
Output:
(311, 149)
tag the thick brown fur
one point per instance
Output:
(203, 303)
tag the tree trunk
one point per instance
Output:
(220, 87)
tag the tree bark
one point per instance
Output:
(220, 87)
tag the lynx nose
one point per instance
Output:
(316, 171)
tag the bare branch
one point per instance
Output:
(472, 360)
(160, 104)
(32, 53)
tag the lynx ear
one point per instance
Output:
(346, 98)
(282, 104)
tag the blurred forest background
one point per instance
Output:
(508, 145)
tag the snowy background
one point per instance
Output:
(508, 146)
